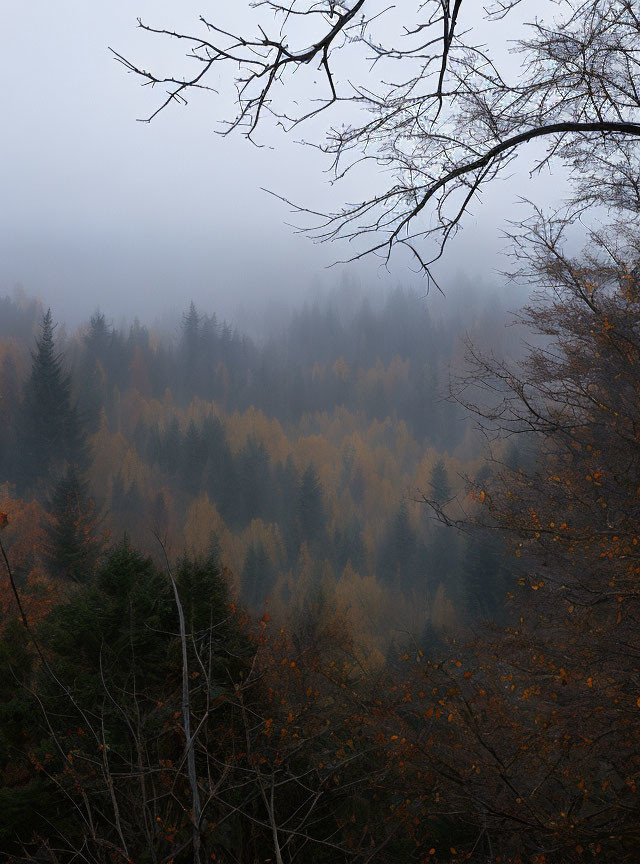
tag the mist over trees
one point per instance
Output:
(361, 638)
(285, 472)
(276, 598)
(311, 439)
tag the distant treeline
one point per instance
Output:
(297, 458)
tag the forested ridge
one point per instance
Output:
(360, 584)
(275, 600)
(301, 458)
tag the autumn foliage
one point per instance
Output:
(271, 707)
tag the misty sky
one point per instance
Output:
(98, 208)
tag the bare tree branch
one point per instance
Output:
(445, 117)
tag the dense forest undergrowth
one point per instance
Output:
(233, 629)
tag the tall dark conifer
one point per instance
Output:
(439, 483)
(93, 371)
(258, 576)
(311, 510)
(190, 350)
(72, 547)
(398, 550)
(51, 434)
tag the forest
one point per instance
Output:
(354, 578)
(301, 461)
(275, 599)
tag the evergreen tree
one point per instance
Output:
(193, 453)
(171, 445)
(485, 572)
(24, 806)
(398, 553)
(254, 480)
(71, 547)
(258, 576)
(190, 352)
(441, 556)
(311, 511)
(442, 552)
(439, 483)
(348, 547)
(485, 576)
(126, 503)
(286, 484)
(92, 373)
(51, 435)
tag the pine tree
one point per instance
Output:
(51, 435)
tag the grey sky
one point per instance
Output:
(97, 208)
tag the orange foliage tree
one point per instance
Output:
(539, 732)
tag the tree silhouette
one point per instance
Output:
(51, 434)
(443, 117)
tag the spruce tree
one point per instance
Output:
(114, 702)
(190, 351)
(51, 435)
(439, 483)
(71, 547)
(93, 377)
